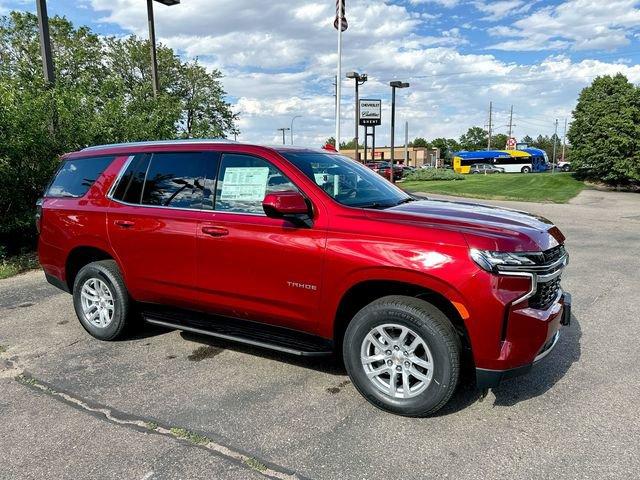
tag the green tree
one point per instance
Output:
(420, 142)
(499, 141)
(350, 145)
(476, 138)
(102, 94)
(605, 133)
(527, 139)
(447, 146)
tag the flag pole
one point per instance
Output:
(339, 77)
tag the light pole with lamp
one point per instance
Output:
(359, 80)
(152, 41)
(395, 84)
(292, 120)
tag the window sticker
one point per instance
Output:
(248, 184)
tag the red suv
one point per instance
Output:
(306, 252)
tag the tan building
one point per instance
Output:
(418, 156)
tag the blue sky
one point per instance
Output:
(279, 57)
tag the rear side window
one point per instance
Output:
(179, 180)
(75, 177)
(130, 187)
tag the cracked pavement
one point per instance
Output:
(573, 416)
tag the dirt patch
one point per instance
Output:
(204, 352)
(337, 388)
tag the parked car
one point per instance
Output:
(564, 166)
(384, 169)
(485, 168)
(305, 252)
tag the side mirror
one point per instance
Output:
(288, 205)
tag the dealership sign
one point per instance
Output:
(370, 112)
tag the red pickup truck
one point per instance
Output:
(306, 252)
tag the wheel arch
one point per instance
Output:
(364, 292)
(80, 256)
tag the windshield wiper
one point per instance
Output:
(406, 200)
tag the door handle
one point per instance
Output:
(215, 231)
(124, 223)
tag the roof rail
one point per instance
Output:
(159, 142)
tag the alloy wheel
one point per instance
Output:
(97, 302)
(397, 361)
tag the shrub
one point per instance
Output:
(432, 174)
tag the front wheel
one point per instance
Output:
(403, 355)
(526, 170)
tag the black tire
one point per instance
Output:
(108, 272)
(435, 330)
(566, 168)
(526, 170)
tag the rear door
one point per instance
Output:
(254, 267)
(152, 224)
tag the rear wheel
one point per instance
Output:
(403, 355)
(101, 300)
(526, 170)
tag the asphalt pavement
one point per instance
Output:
(166, 404)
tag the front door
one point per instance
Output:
(254, 267)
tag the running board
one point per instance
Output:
(242, 331)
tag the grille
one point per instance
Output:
(545, 294)
(553, 254)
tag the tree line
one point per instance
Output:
(102, 94)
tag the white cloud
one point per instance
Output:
(279, 61)
(444, 3)
(578, 24)
(497, 10)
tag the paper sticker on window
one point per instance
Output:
(248, 184)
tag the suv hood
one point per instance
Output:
(484, 227)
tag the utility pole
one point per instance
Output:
(555, 137)
(284, 130)
(511, 122)
(564, 139)
(45, 42)
(490, 125)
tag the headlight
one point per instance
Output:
(491, 261)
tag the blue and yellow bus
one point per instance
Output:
(526, 160)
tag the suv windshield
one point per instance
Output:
(347, 181)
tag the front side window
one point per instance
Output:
(347, 181)
(245, 180)
(75, 177)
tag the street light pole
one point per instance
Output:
(394, 85)
(359, 80)
(45, 42)
(152, 41)
(292, 120)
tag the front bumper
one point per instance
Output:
(490, 378)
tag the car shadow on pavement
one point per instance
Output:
(330, 364)
(547, 373)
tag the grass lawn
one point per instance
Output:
(532, 187)
(17, 264)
